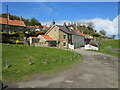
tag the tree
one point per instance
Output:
(95, 30)
(103, 32)
(34, 22)
(26, 21)
(90, 24)
(40, 26)
(95, 34)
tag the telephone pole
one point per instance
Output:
(7, 19)
(7, 14)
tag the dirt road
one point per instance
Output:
(95, 71)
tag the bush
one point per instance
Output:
(95, 43)
(96, 35)
(18, 42)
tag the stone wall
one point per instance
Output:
(54, 33)
(57, 34)
(77, 40)
(42, 44)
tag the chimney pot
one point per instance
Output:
(64, 24)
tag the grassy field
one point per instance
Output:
(18, 58)
(110, 47)
(1, 62)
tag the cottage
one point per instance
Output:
(62, 36)
(43, 41)
(87, 37)
(65, 35)
(10, 26)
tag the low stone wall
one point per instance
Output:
(41, 44)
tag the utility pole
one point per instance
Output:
(7, 17)
(7, 13)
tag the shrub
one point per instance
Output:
(17, 41)
(95, 43)
(96, 35)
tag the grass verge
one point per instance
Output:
(19, 57)
(110, 47)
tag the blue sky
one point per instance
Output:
(72, 11)
(103, 14)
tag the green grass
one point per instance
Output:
(19, 58)
(1, 62)
(110, 47)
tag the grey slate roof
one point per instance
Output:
(67, 30)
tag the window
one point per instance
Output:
(55, 30)
(64, 36)
(64, 44)
(19, 27)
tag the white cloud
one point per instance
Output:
(111, 27)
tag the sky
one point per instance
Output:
(103, 14)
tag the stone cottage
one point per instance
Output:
(65, 35)
(43, 41)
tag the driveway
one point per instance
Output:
(96, 70)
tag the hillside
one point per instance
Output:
(110, 47)
(86, 30)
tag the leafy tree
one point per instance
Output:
(103, 32)
(95, 34)
(34, 22)
(90, 24)
(41, 27)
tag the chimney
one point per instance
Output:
(74, 24)
(71, 23)
(64, 24)
(53, 22)
(68, 24)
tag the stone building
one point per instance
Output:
(65, 35)
(42, 41)
(10, 26)
(62, 36)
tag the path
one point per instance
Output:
(96, 70)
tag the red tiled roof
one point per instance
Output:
(12, 22)
(34, 37)
(33, 26)
(40, 32)
(46, 28)
(87, 36)
(47, 37)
